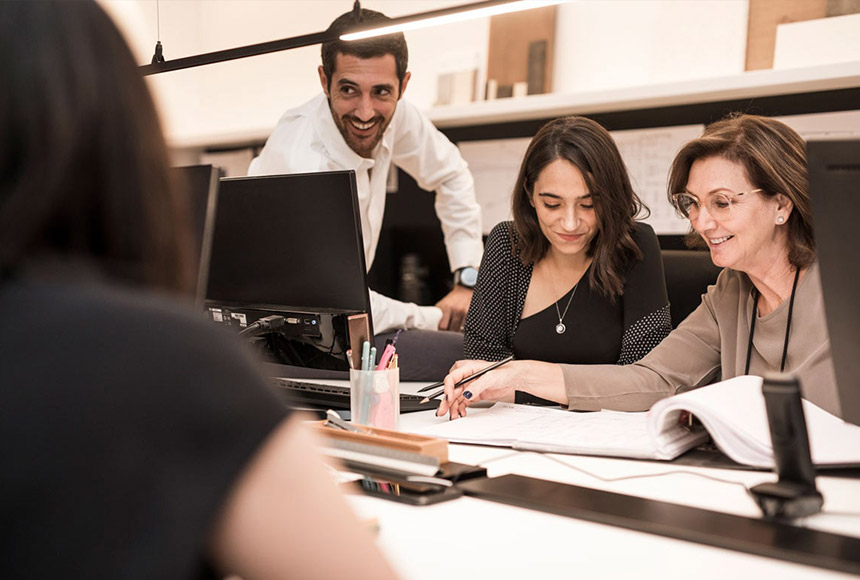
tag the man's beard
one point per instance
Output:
(362, 146)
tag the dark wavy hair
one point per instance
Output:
(774, 158)
(588, 147)
(83, 164)
(393, 44)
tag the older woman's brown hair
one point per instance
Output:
(588, 147)
(774, 158)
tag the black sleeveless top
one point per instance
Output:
(598, 330)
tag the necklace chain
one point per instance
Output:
(560, 327)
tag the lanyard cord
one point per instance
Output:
(787, 325)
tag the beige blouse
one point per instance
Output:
(711, 345)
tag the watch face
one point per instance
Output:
(468, 277)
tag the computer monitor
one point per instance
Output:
(834, 187)
(291, 246)
(199, 183)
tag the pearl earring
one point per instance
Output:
(780, 219)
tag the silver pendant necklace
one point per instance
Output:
(560, 327)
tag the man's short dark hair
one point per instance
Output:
(393, 44)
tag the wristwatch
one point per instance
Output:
(466, 277)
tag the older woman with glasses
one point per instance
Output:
(743, 186)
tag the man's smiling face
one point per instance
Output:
(362, 95)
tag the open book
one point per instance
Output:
(732, 412)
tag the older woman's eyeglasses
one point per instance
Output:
(719, 204)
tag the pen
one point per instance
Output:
(475, 376)
(365, 356)
(462, 382)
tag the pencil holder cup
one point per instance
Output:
(375, 398)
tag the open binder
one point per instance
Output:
(732, 412)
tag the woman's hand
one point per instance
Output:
(496, 385)
(541, 379)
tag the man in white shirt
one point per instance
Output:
(360, 123)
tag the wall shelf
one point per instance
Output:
(824, 88)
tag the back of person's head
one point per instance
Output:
(393, 44)
(773, 156)
(590, 148)
(83, 164)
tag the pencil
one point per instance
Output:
(462, 382)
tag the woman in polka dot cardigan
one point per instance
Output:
(574, 278)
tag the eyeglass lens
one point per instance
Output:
(719, 205)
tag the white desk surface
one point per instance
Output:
(469, 538)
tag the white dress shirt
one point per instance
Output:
(306, 139)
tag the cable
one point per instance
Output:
(266, 324)
(644, 475)
(802, 522)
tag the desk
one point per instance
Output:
(485, 539)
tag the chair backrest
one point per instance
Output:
(688, 275)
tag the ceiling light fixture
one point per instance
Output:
(450, 15)
(430, 18)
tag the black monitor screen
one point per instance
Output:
(199, 184)
(289, 241)
(834, 186)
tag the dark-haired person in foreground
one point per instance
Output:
(743, 186)
(137, 440)
(361, 122)
(574, 278)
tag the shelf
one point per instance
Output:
(747, 85)
(764, 83)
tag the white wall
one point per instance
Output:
(248, 96)
(623, 43)
(825, 40)
(600, 45)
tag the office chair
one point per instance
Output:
(688, 275)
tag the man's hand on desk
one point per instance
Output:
(538, 378)
(454, 306)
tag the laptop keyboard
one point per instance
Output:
(336, 397)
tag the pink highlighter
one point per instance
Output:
(386, 356)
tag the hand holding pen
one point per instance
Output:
(487, 367)
(541, 379)
(472, 380)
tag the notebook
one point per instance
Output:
(731, 412)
